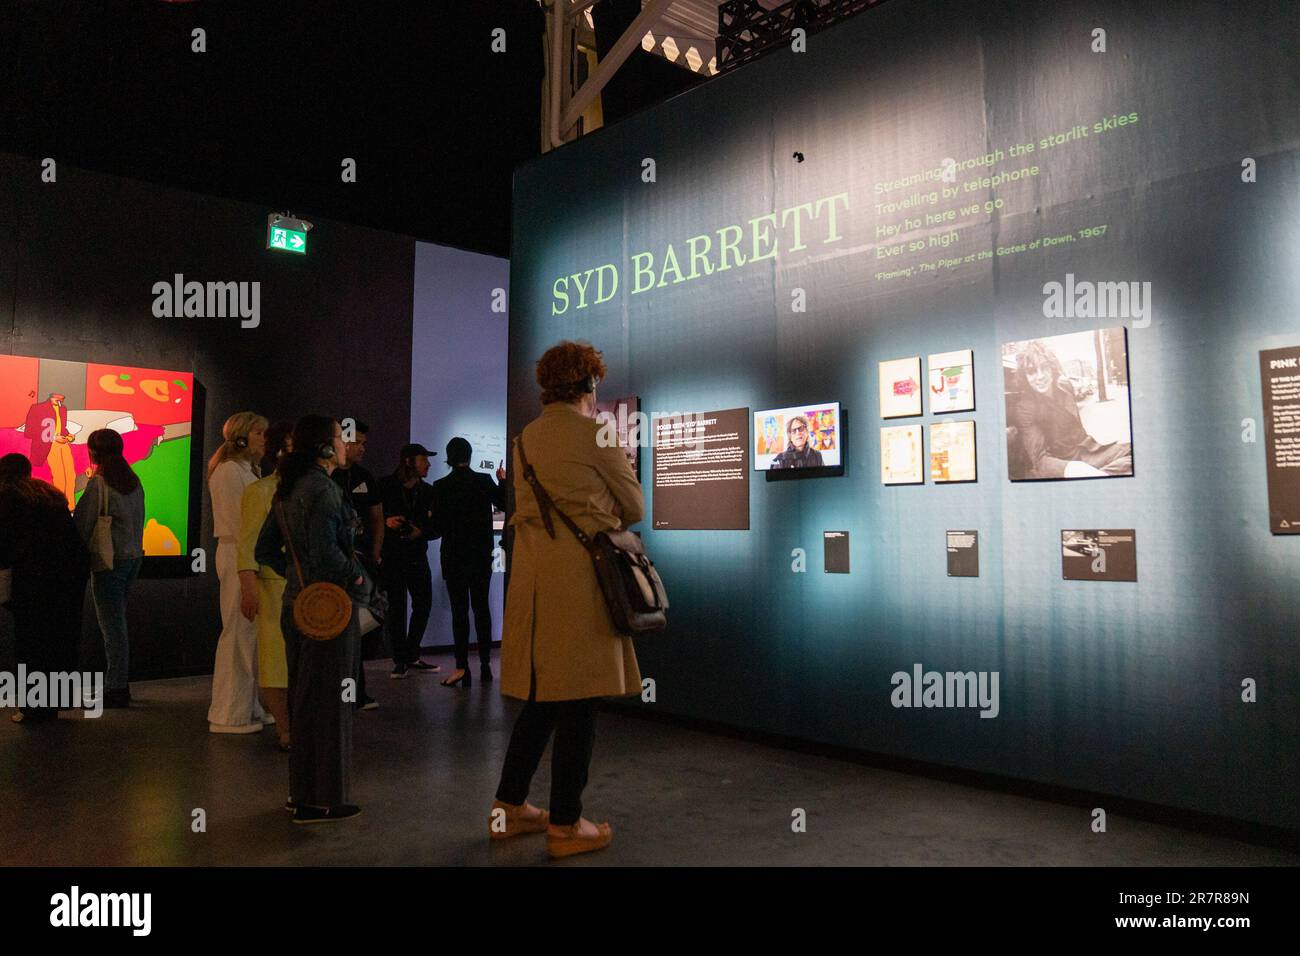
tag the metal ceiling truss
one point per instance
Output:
(561, 104)
(747, 29)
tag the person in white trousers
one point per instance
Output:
(235, 708)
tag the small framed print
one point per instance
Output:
(900, 387)
(952, 452)
(952, 382)
(900, 455)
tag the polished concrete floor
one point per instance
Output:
(122, 790)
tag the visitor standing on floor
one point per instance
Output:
(362, 492)
(235, 708)
(48, 565)
(408, 529)
(462, 505)
(319, 525)
(115, 490)
(261, 589)
(559, 650)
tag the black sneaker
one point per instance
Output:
(369, 703)
(419, 665)
(325, 814)
(291, 805)
(398, 672)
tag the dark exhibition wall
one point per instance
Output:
(79, 258)
(916, 221)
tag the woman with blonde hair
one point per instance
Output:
(235, 708)
(560, 652)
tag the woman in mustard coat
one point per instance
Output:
(559, 650)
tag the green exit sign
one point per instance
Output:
(286, 240)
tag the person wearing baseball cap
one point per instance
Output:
(408, 529)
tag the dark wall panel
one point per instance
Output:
(78, 260)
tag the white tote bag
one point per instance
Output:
(101, 540)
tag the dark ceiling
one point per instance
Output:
(286, 90)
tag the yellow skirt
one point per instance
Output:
(272, 669)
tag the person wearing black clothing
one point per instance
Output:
(50, 566)
(408, 529)
(463, 503)
(308, 538)
(800, 453)
(361, 490)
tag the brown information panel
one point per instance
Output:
(1279, 371)
(1099, 555)
(701, 471)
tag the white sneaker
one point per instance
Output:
(235, 728)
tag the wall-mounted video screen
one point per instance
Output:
(799, 437)
(49, 407)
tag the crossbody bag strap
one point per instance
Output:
(288, 540)
(546, 504)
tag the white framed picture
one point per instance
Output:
(952, 381)
(900, 387)
(901, 455)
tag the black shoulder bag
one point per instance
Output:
(633, 591)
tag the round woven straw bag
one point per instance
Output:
(321, 611)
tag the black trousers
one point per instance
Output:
(407, 577)
(574, 725)
(320, 762)
(466, 588)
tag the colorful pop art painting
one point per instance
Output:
(48, 408)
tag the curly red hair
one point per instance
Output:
(565, 368)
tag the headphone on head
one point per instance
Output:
(325, 450)
(241, 442)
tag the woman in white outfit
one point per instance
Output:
(235, 708)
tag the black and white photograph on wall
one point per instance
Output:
(1067, 402)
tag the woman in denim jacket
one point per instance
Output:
(321, 526)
